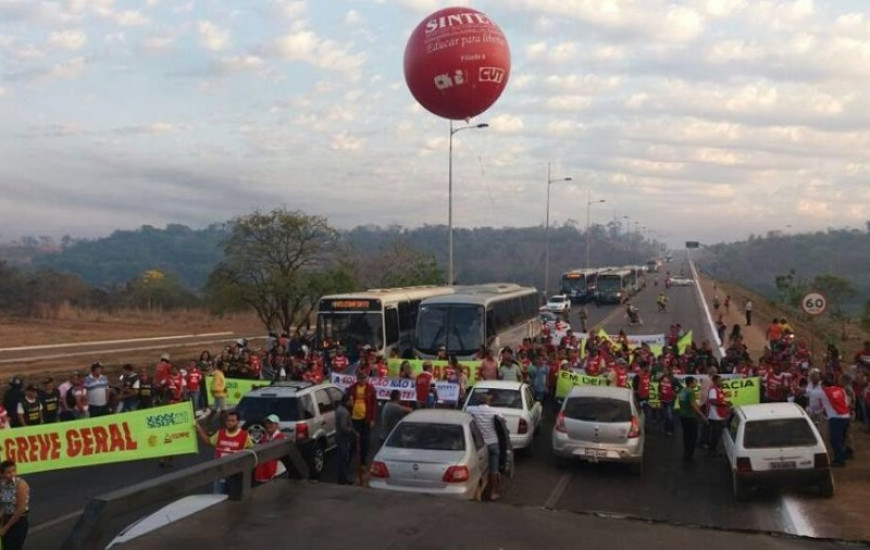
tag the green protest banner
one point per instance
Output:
(147, 433)
(236, 388)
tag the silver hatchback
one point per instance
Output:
(434, 451)
(600, 424)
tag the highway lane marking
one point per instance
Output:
(794, 516)
(56, 521)
(713, 330)
(560, 487)
(127, 341)
(115, 351)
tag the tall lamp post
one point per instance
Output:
(589, 203)
(450, 197)
(550, 181)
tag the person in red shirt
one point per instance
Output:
(594, 363)
(774, 386)
(226, 441)
(619, 374)
(641, 383)
(175, 385)
(380, 369)
(667, 395)
(340, 362)
(424, 385)
(267, 471)
(162, 370)
(193, 382)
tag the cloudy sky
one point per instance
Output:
(700, 119)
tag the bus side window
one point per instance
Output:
(391, 324)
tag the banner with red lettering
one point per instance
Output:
(149, 433)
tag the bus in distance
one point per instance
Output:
(579, 284)
(381, 318)
(614, 286)
(492, 316)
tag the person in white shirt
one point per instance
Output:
(485, 419)
(718, 412)
(67, 404)
(97, 386)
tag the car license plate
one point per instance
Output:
(786, 465)
(596, 453)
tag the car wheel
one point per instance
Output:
(636, 468)
(826, 487)
(742, 491)
(318, 459)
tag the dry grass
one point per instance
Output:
(76, 325)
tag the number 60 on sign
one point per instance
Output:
(814, 303)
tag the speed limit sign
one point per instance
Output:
(814, 303)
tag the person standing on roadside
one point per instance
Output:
(345, 440)
(30, 409)
(218, 390)
(271, 469)
(424, 385)
(748, 309)
(226, 441)
(391, 414)
(145, 392)
(97, 386)
(67, 400)
(485, 418)
(363, 413)
(129, 389)
(49, 396)
(690, 412)
(718, 412)
(12, 398)
(193, 381)
(509, 370)
(14, 507)
(835, 401)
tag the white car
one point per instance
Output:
(433, 451)
(600, 424)
(559, 304)
(681, 281)
(775, 444)
(515, 402)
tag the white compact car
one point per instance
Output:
(559, 304)
(600, 424)
(433, 451)
(515, 401)
(775, 444)
(681, 281)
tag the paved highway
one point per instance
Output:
(668, 491)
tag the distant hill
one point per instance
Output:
(190, 254)
(756, 262)
(482, 254)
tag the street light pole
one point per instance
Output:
(450, 197)
(589, 203)
(550, 181)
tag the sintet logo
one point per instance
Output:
(166, 420)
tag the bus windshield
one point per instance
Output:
(609, 283)
(457, 327)
(352, 329)
(574, 285)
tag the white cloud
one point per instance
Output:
(241, 62)
(346, 143)
(131, 18)
(307, 47)
(157, 44)
(507, 124)
(212, 37)
(353, 18)
(68, 40)
(68, 69)
(3, 91)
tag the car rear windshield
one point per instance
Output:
(427, 437)
(598, 409)
(252, 409)
(783, 432)
(506, 399)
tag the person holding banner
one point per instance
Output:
(15, 504)
(718, 413)
(226, 441)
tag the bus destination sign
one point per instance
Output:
(350, 304)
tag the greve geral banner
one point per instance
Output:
(739, 391)
(149, 433)
(236, 388)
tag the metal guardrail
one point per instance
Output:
(236, 468)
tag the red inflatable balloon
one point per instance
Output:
(457, 63)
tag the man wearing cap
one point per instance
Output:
(30, 409)
(268, 471)
(97, 386)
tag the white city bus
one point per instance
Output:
(492, 315)
(614, 286)
(580, 284)
(381, 318)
